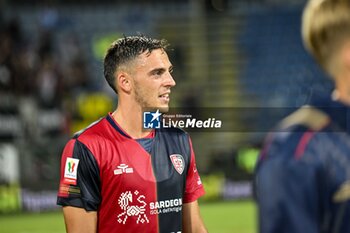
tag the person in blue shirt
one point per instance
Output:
(302, 180)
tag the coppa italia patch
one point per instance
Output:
(70, 171)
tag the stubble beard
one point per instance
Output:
(144, 101)
(142, 98)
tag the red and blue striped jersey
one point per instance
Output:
(135, 185)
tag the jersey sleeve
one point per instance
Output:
(194, 187)
(289, 193)
(79, 177)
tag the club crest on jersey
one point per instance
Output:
(178, 162)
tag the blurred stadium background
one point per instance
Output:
(228, 54)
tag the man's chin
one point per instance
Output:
(164, 109)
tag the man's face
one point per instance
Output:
(152, 80)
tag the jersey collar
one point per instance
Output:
(116, 126)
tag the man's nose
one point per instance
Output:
(170, 81)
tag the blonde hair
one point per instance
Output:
(325, 27)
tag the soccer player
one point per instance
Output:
(303, 173)
(117, 177)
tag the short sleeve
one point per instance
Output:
(194, 187)
(79, 177)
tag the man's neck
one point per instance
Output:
(342, 91)
(130, 120)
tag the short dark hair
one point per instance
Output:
(126, 49)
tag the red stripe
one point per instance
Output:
(265, 149)
(303, 143)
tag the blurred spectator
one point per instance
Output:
(49, 84)
(5, 55)
(45, 44)
(77, 76)
(49, 17)
(73, 65)
(15, 63)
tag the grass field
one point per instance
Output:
(230, 217)
(219, 217)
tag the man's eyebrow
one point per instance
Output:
(156, 70)
(162, 70)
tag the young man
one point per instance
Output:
(303, 174)
(117, 176)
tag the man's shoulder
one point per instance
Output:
(307, 121)
(94, 137)
(304, 131)
(95, 130)
(305, 118)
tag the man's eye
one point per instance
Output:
(157, 72)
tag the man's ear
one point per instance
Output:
(123, 82)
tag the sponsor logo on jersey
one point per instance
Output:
(123, 168)
(70, 171)
(151, 120)
(165, 204)
(133, 207)
(178, 162)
